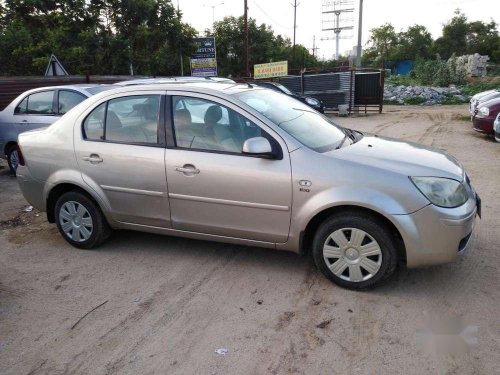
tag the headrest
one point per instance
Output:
(182, 116)
(213, 114)
(112, 121)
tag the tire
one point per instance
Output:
(12, 159)
(80, 221)
(348, 236)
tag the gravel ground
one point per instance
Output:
(169, 303)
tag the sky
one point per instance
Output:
(279, 14)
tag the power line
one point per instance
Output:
(269, 17)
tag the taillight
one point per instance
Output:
(20, 156)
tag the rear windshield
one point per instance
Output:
(98, 89)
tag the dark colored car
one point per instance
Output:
(482, 120)
(310, 101)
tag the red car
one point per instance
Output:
(484, 116)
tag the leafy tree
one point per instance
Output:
(414, 43)
(264, 46)
(93, 36)
(384, 41)
(454, 39)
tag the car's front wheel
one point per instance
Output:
(80, 221)
(355, 250)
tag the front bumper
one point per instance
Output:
(496, 128)
(483, 125)
(435, 235)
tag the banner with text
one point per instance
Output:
(270, 70)
(204, 59)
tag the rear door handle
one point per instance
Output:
(93, 159)
(24, 122)
(189, 170)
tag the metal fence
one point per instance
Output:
(360, 90)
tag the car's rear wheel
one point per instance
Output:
(355, 250)
(12, 159)
(80, 221)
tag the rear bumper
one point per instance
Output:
(32, 189)
(483, 125)
(435, 235)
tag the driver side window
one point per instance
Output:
(205, 125)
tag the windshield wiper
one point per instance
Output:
(342, 142)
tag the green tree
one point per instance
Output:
(414, 43)
(383, 44)
(454, 39)
(264, 46)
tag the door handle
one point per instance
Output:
(188, 169)
(24, 122)
(93, 159)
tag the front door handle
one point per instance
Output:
(188, 169)
(93, 158)
(24, 122)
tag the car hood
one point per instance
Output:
(483, 94)
(406, 158)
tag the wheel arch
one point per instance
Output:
(64, 187)
(307, 235)
(8, 146)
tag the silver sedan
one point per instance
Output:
(246, 165)
(38, 108)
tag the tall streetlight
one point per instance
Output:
(213, 6)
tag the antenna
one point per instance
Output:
(337, 17)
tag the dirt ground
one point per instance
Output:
(169, 303)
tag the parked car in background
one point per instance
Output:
(310, 101)
(247, 165)
(496, 128)
(486, 112)
(38, 108)
(482, 97)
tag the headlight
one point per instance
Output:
(484, 111)
(312, 101)
(443, 192)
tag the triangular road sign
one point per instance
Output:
(55, 68)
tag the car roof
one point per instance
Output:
(172, 80)
(201, 87)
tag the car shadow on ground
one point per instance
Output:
(423, 281)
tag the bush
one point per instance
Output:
(438, 72)
(473, 89)
(415, 100)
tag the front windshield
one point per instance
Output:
(300, 121)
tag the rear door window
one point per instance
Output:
(41, 103)
(22, 107)
(69, 99)
(93, 126)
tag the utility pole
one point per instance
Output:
(295, 5)
(180, 41)
(245, 26)
(314, 49)
(360, 26)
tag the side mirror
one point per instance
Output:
(258, 146)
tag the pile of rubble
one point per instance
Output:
(423, 94)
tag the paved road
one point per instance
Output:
(170, 302)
